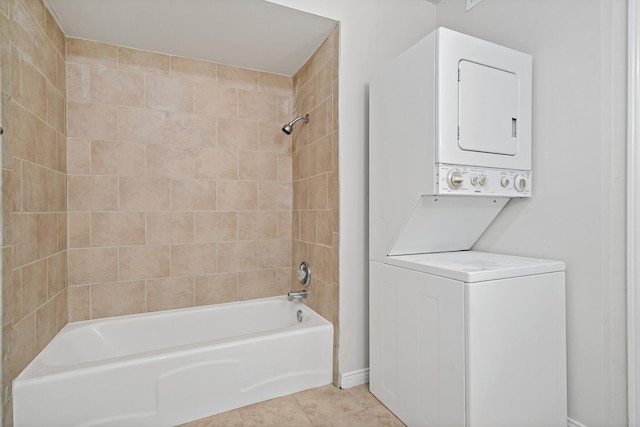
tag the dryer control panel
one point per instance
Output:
(466, 180)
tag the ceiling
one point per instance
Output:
(254, 34)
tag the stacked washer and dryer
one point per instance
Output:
(458, 337)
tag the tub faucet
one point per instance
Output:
(302, 294)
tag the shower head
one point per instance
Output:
(288, 128)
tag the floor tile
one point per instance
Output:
(385, 417)
(325, 406)
(359, 419)
(282, 412)
(327, 403)
(226, 419)
(364, 396)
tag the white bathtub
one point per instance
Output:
(167, 368)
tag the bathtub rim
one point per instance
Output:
(37, 371)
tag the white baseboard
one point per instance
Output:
(354, 378)
(574, 423)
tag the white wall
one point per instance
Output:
(372, 32)
(577, 212)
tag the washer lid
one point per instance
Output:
(472, 266)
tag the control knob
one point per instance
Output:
(520, 182)
(455, 179)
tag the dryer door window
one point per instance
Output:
(487, 109)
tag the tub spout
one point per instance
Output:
(302, 294)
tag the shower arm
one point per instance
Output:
(305, 118)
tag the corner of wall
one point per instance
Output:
(34, 280)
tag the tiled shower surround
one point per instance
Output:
(184, 191)
(316, 179)
(179, 182)
(134, 181)
(34, 234)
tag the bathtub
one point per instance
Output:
(171, 367)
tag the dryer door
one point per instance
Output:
(487, 109)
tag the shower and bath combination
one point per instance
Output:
(288, 128)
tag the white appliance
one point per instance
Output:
(457, 337)
(469, 339)
(450, 132)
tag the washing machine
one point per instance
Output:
(469, 339)
(458, 337)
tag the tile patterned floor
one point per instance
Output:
(318, 407)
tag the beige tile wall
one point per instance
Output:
(179, 182)
(34, 235)
(316, 179)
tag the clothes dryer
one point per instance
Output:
(449, 143)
